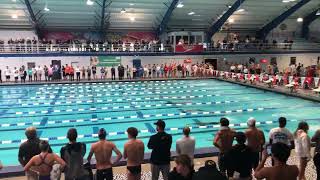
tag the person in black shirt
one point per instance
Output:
(239, 159)
(29, 149)
(160, 145)
(72, 153)
(183, 170)
(113, 73)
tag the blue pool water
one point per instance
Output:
(115, 106)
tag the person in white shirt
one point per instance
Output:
(78, 72)
(7, 73)
(158, 70)
(39, 73)
(240, 68)
(281, 134)
(302, 144)
(34, 72)
(16, 74)
(186, 144)
(232, 68)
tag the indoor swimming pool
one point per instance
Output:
(115, 106)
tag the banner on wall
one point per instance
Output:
(105, 61)
(189, 48)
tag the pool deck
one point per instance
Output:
(306, 94)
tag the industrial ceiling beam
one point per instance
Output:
(265, 30)
(220, 22)
(33, 18)
(102, 28)
(306, 23)
(165, 20)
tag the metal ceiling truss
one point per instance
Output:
(220, 22)
(307, 20)
(264, 31)
(165, 19)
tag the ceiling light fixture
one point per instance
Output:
(14, 0)
(285, 1)
(241, 10)
(90, 3)
(46, 9)
(229, 6)
(300, 19)
(14, 16)
(231, 20)
(180, 5)
(131, 4)
(132, 19)
(123, 10)
(318, 13)
(191, 13)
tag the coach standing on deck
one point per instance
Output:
(160, 144)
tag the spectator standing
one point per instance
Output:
(34, 72)
(102, 150)
(102, 73)
(160, 145)
(28, 149)
(223, 141)
(50, 73)
(83, 70)
(113, 73)
(94, 72)
(183, 169)
(39, 73)
(16, 74)
(72, 153)
(186, 144)
(46, 74)
(44, 162)
(281, 134)
(316, 158)
(7, 73)
(280, 153)
(239, 159)
(134, 153)
(0, 76)
(256, 140)
(30, 74)
(78, 72)
(89, 73)
(302, 147)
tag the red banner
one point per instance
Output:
(189, 48)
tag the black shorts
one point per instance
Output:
(135, 170)
(7, 77)
(104, 174)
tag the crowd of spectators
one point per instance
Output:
(77, 73)
(41, 45)
(237, 43)
(234, 43)
(296, 70)
(243, 160)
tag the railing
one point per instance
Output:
(157, 48)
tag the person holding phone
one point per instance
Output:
(302, 147)
(280, 153)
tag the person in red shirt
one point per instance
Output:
(67, 71)
(71, 73)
